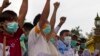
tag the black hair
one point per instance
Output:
(36, 19)
(27, 26)
(63, 31)
(9, 15)
(74, 37)
(83, 40)
(2, 18)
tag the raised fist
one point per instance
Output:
(56, 5)
(62, 19)
(6, 3)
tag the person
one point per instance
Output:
(24, 38)
(41, 34)
(63, 44)
(75, 44)
(74, 41)
(96, 52)
(62, 21)
(12, 29)
(86, 52)
(82, 46)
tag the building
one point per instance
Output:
(97, 33)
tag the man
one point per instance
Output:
(63, 44)
(82, 45)
(24, 38)
(39, 36)
(12, 29)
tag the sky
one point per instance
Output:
(78, 12)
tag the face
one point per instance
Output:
(11, 26)
(26, 32)
(65, 34)
(46, 28)
(74, 38)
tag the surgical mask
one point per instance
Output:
(47, 29)
(67, 40)
(12, 27)
(52, 40)
(73, 43)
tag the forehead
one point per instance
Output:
(12, 20)
(66, 33)
(45, 25)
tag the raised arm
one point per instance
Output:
(52, 21)
(62, 21)
(5, 4)
(23, 12)
(53, 18)
(45, 13)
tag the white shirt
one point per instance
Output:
(38, 46)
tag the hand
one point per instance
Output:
(62, 20)
(56, 5)
(6, 3)
(54, 34)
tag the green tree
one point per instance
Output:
(76, 31)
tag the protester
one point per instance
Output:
(96, 52)
(41, 34)
(12, 30)
(75, 44)
(86, 52)
(24, 38)
(64, 43)
(82, 46)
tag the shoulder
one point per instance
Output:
(19, 32)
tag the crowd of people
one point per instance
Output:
(20, 38)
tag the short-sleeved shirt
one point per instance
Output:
(13, 47)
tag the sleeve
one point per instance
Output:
(57, 29)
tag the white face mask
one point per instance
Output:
(67, 40)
